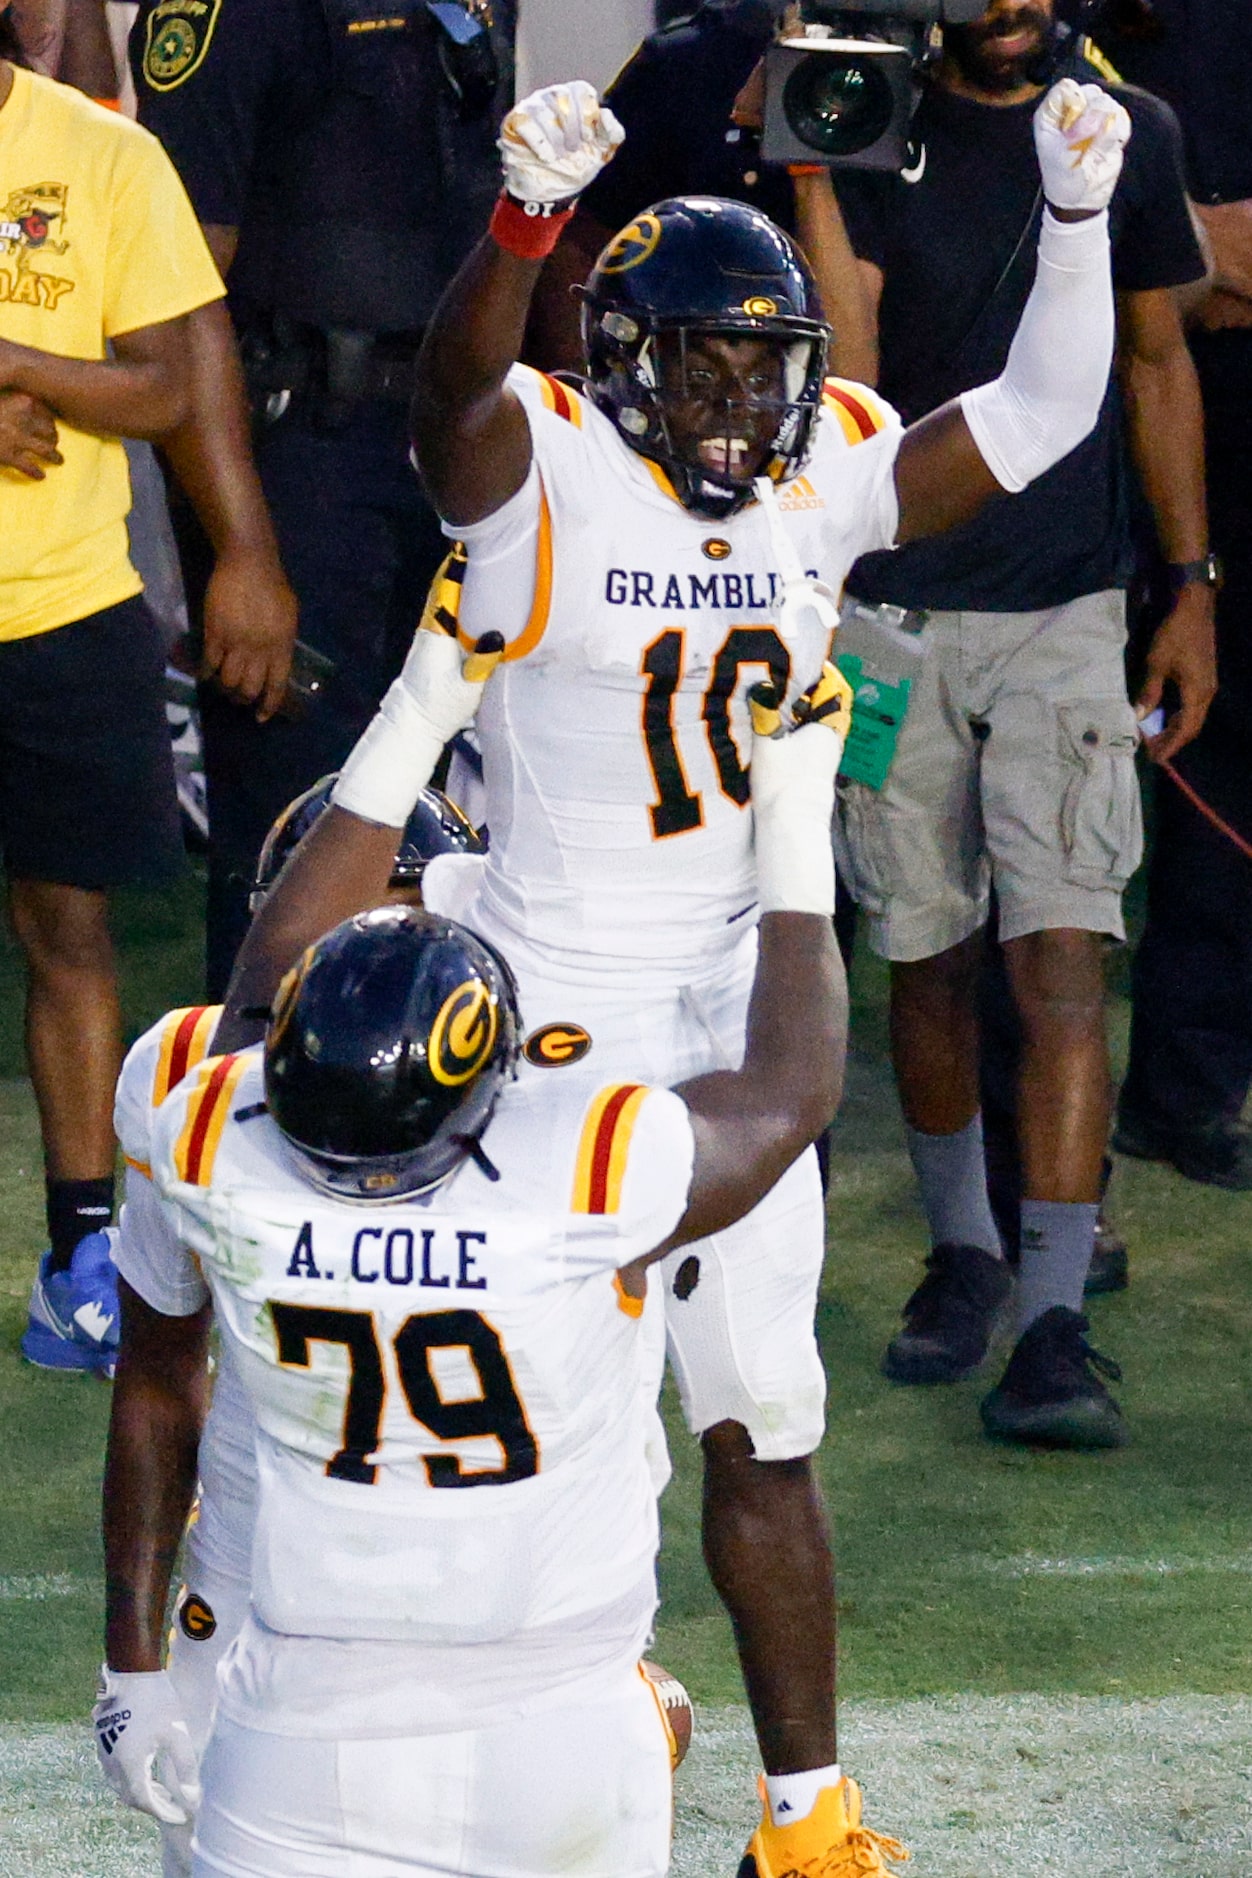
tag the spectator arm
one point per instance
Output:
(849, 289)
(141, 391)
(1165, 423)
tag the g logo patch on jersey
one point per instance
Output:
(463, 1035)
(179, 33)
(635, 243)
(196, 1619)
(555, 1045)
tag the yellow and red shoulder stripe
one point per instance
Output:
(857, 412)
(561, 399)
(208, 1107)
(604, 1146)
(184, 1043)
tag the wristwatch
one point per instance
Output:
(1206, 572)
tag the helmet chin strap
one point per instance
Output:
(806, 604)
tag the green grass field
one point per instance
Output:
(967, 1571)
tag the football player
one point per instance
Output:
(220, 1453)
(648, 545)
(429, 1278)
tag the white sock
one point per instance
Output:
(792, 1797)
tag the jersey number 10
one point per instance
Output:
(677, 809)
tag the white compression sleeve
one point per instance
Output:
(435, 696)
(1048, 397)
(793, 800)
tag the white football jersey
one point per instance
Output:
(152, 1258)
(450, 1422)
(615, 734)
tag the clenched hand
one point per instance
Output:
(28, 435)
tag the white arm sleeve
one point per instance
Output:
(1048, 397)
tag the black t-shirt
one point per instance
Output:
(957, 250)
(674, 100)
(339, 158)
(1200, 62)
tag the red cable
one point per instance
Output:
(1210, 815)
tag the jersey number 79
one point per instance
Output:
(498, 1412)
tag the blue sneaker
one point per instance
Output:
(74, 1314)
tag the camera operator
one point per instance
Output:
(341, 157)
(1014, 765)
(1191, 1013)
(690, 101)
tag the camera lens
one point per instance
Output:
(838, 104)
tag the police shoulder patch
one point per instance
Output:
(177, 37)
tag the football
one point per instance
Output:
(675, 1705)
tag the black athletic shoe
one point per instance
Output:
(1051, 1394)
(1109, 1269)
(949, 1319)
(1218, 1154)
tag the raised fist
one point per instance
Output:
(556, 142)
(1080, 133)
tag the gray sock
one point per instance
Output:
(952, 1175)
(1057, 1237)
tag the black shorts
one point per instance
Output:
(87, 793)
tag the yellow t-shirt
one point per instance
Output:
(97, 238)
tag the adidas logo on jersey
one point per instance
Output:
(801, 495)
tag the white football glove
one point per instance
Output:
(793, 795)
(556, 142)
(144, 1747)
(435, 696)
(1080, 133)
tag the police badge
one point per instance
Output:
(179, 33)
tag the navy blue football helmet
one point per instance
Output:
(691, 267)
(387, 1048)
(436, 826)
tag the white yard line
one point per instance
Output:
(36, 1587)
(1038, 1565)
(981, 1787)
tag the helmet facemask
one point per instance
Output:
(674, 403)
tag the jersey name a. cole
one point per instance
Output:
(448, 1392)
(615, 734)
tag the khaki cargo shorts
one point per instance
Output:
(1015, 765)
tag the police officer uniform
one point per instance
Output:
(352, 147)
(674, 100)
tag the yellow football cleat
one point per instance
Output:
(830, 1843)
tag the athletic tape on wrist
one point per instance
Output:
(530, 230)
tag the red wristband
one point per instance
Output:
(807, 169)
(529, 230)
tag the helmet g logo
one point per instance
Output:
(760, 307)
(463, 1035)
(635, 243)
